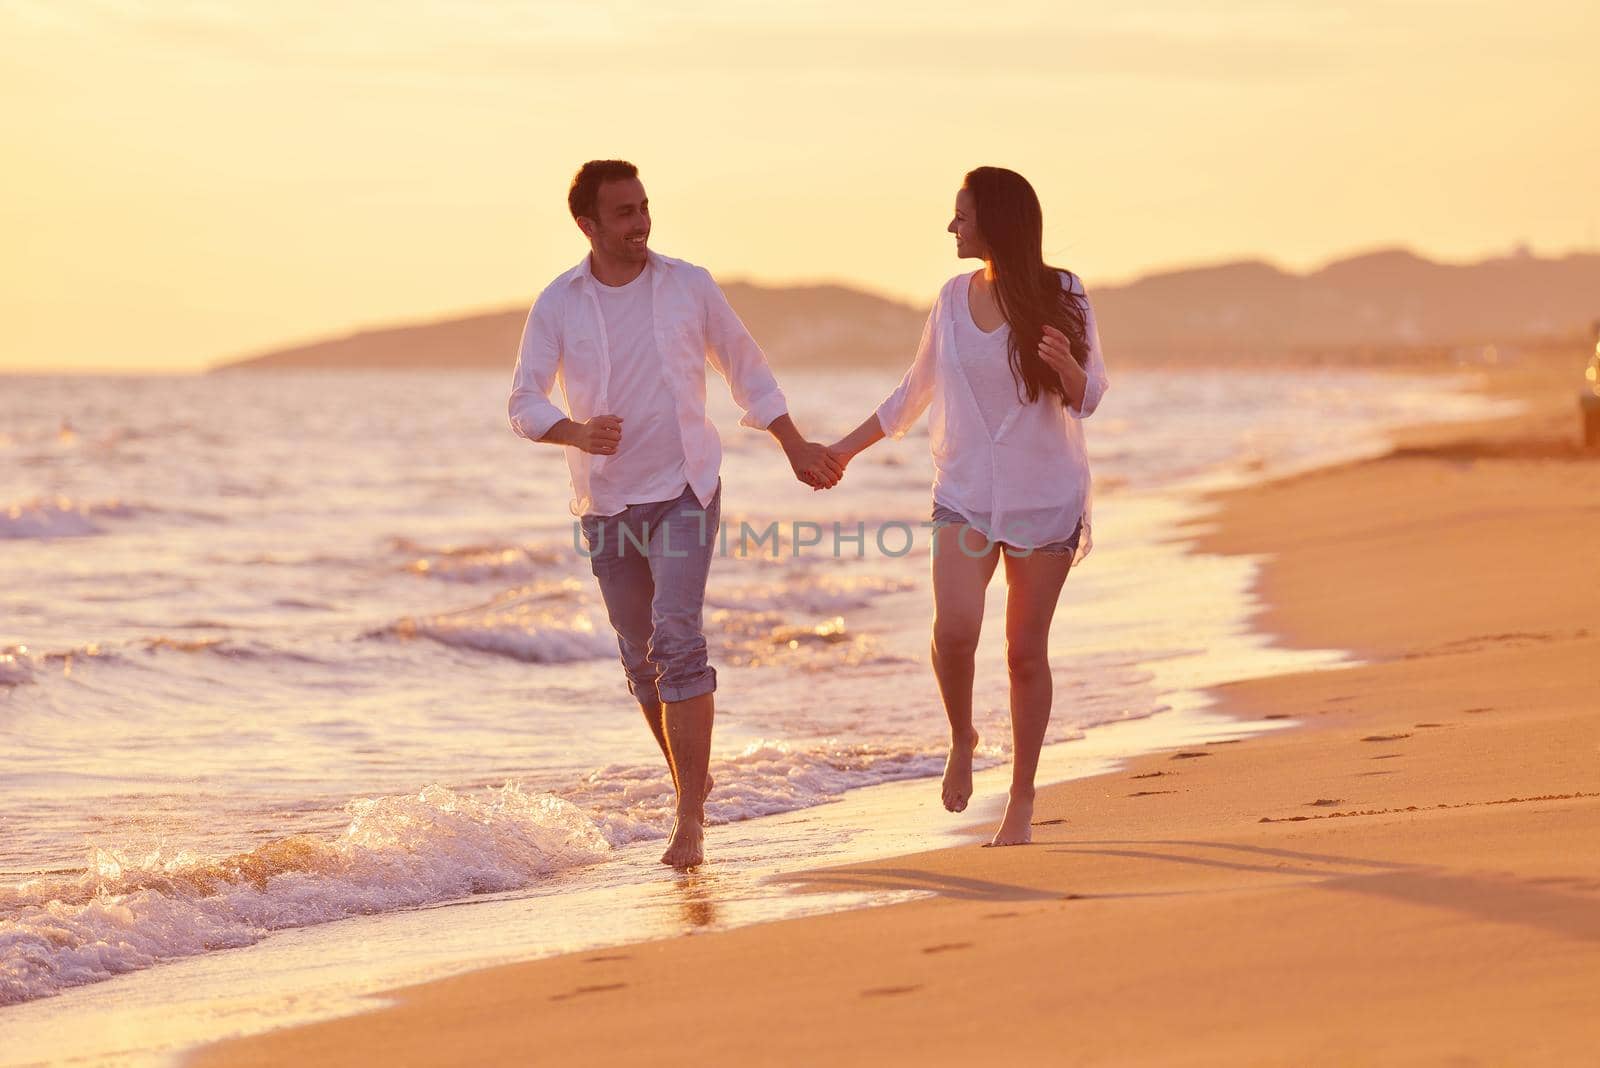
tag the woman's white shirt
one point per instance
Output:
(1016, 471)
(986, 362)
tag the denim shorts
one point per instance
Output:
(945, 516)
(651, 561)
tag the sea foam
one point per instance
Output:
(128, 913)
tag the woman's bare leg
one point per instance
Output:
(1033, 586)
(960, 577)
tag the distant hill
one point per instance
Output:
(811, 326)
(1388, 300)
(1377, 306)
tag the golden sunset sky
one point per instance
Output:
(191, 181)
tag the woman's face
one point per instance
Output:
(969, 243)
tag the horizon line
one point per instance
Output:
(1519, 249)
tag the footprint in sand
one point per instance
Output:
(888, 991)
(598, 988)
(1384, 737)
(1188, 756)
(1226, 741)
(1000, 915)
(1428, 724)
(946, 947)
(1475, 711)
(1150, 793)
(1150, 775)
(1325, 801)
(607, 958)
(1277, 715)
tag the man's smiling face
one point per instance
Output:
(621, 228)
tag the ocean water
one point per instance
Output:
(285, 654)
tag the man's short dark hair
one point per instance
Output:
(584, 195)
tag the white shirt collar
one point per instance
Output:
(584, 269)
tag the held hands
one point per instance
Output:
(841, 456)
(599, 436)
(816, 465)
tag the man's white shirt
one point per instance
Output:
(568, 340)
(648, 464)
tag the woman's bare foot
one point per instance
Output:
(957, 787)
(686, 846)
(1016, 828)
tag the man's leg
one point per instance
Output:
(654, 717)
(681, 546)
(628, 589)
(689, 742)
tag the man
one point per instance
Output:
(628, 333)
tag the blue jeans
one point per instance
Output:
(651, 561)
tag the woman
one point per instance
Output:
(1010, 362)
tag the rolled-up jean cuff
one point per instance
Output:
(650, 693)
(695, 686)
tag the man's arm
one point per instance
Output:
(533, 415)
(538, 361)
(739, 360)
(599, 435)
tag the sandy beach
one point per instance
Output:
(1409, 876)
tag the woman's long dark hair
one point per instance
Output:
(1029, 291)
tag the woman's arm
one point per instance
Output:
(869, 433)
(1056, 351)
(1084, 383)
(1095, 370)
(903, 407)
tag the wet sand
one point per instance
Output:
(1410, 876)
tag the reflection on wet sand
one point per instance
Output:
(697, 898)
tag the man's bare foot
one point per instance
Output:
(1016, 828)
(686, 846)
(957, 787)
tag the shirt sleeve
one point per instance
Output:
(1096, 385)
(900, 411)
(538, 361)
(738, 359)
